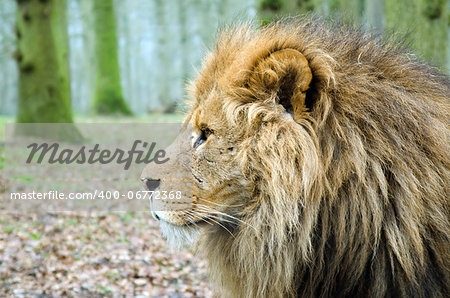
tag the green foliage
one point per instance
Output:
(306, 5)
(104, 290)
(126, 217)
(35, 236)
(424, 24)
(23, 178)
(8, 229)
(265, 21)
(271, 4)
(270, 10)
(433, 8)
(333, 5)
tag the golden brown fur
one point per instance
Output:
(335, 186)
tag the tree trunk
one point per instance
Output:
(374, 15)
(8, 69)
(163, 55)
(108, 97)
(42, 56)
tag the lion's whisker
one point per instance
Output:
(217, 222)
(210, 210)
(191, 220)
(209, 216)
(191, 217)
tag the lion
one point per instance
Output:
(315, 163)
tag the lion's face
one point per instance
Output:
(229, 124)
(204, 166)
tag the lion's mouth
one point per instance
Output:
(201, 222)
(155, 216)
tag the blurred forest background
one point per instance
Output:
(60, 58)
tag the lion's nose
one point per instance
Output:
(151, 184)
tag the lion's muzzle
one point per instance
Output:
(151, 185)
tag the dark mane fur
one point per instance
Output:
(369, 213)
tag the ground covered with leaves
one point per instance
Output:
(120, 254)
(86, 254)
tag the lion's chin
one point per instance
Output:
(180, 236)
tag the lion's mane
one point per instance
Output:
(352, 202)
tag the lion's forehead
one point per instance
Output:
(210, 112)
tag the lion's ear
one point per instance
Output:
(287, 73)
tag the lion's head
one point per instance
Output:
(313, 162)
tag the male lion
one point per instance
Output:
(318, 166)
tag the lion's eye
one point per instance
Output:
(205, 133)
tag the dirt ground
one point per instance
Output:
(87, 254)
(93, 255)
